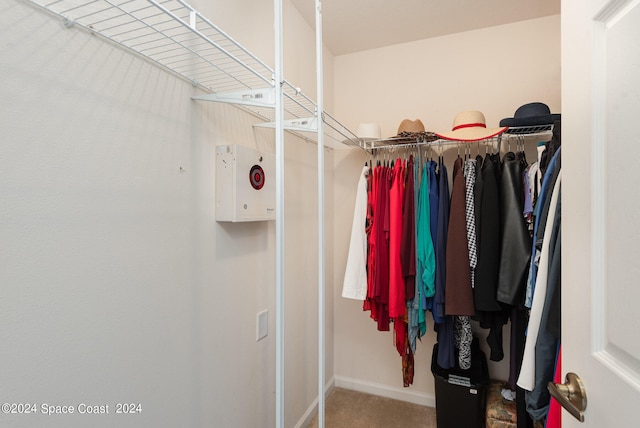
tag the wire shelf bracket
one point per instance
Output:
(308, 124)
(251, 97)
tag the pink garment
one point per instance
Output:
(397, 304)
(554, 418)
(380, 296)
(371, 249)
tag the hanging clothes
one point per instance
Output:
(489, 313)
(408, 239)
(530, 174)
(541, 213)
(458, 291)
(441, 243)
(526, 380)
(355, 276)
(444, 324)
(463, 331)
(477, 198)
(434, 207)
(369, 303)
(408, 364)
(455, 255)
(415, 314)
(470, 214)
(463, 335)
(554, 419)
(516, 242)
(519, 319)
(489, 237)
(396, 278)
(397, 303)
(426, 251)
(426, 264)
(546, 343)
(381, 277)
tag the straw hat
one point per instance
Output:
(470, 126)
(411, 126)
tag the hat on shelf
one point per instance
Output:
(410, 126)
(531, 114)
(470, 126)
(368, 131)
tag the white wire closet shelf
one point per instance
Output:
(173, 35)
(430, 138)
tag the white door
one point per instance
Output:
(601, 207)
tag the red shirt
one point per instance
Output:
(397, 304)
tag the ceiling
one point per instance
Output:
(356, 25)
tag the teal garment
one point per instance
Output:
(425, 250)
(416, 322)
(418, 184)
(421, 302)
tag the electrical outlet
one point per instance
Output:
(262, 324)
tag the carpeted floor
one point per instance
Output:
(345, 408)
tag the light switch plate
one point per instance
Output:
(262, 324)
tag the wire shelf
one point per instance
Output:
(173, 35)
(529, 130)
(431, 139)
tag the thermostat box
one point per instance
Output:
(245, 184)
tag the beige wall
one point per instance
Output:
(118, 283)
(494, 70)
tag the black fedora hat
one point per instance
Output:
(531, 114)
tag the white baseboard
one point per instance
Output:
(420, 398)
(305, 420)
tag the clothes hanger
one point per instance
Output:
(522, 148)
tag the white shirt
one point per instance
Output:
(526, 380)
(355, 276)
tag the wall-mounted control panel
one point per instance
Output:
(245, 184)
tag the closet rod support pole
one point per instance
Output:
(321, 261)
(279, 136)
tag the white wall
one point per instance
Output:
(117, 283)
(494, 70)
